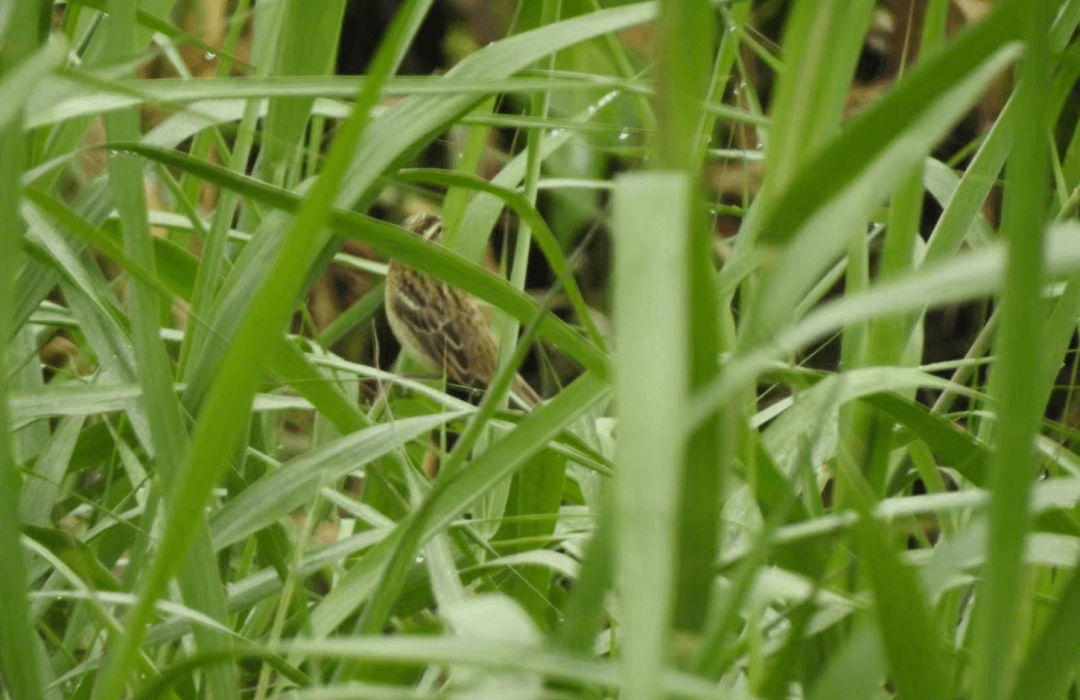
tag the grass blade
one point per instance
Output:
(19, 38)
(651, 383)
(1011, 464)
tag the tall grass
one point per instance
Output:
(214, 496)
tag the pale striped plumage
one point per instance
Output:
(442, 325)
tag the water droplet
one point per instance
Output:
(419, 560)
(555, 132)
(624, 134)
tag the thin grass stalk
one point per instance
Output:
(538, 487)
(18, 642)
(687, 36)
(996, 633)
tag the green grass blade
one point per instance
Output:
(822, 41)
(651, 381)
(964, 205)
(1051, 663)
(909, 638)
(856, 670)
(20, 36)
(687, 33)
(85, 97)
(42, 487)
(298, 55)
(448, 651)
(18, 82)
(1023, 217)
(199, 582)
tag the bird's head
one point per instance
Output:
(427, 226)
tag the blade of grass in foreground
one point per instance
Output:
(1051, 663)
(909, 636)
(1011, 465)
(48, 109)
(825, 38)
(687, 34)
(651, 215)
(297, 55)
(228, 402)
(267, 43)
(18, 641)
(18, 83)
(496, 655)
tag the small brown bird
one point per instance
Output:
(442, 325)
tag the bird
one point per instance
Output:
(442, 326)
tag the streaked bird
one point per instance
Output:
(441, 325)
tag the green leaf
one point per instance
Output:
(75, 554)
(1002, 594)
(17, 83)
(652, 385)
